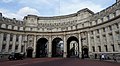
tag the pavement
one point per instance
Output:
(59, 62)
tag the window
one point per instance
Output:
(104, 36)
(119, 46)
(90, 23)
(110, 28)
(103, 29)
(113, 48)
(97, 30)
(16, 47)
(22, 48)
(17, 38)
(82, 25)
(10, 47)
(11, 37)
(106, 48)
(99, 48)
(93, 48)
(98, 37)
(116, 24)
(3, 47)
(92, 32)
(4, 38)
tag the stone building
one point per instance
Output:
(37, 36)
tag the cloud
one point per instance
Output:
(49, 7)
(27, 10)
(76, 5)
(7, 1)
(20, 14)
(8, 14)
(34, 3)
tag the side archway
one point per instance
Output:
(57, 47)
(41, 48)
(85, 52)
(29, 52)
(72, 47)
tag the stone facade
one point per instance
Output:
(99, 32)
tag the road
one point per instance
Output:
(58, 62)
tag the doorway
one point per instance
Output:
(85, 52)
(29, 52)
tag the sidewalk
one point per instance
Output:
(118, 61)
(2, 60)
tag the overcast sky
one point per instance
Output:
(19, 8)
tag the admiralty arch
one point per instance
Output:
(81, 34)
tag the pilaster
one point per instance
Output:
(1, 41)
(8, 41)
(95, 43)
(34, 48)
(14, 43)
(50, 47)
(114, 40)
(107, 39)
(65, 47)
(101, 42)
(80, 47)
(20, 43)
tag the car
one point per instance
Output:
(16, 56)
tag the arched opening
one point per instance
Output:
(72, 47)
(29, 52)
(41, 48)
(85, 52)
(57, 47)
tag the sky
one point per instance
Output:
(20, 8)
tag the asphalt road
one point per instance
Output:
(58, 62)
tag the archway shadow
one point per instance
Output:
(41, 48)
(71, 53)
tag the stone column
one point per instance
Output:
(34, 48)
(50, 47)
(65, 47)
(114, 40)
(25, 44)
(95, 43)
(1, 41)
(20, 43)
(107, 39)
(14, 43)
(80, 47)
(101, 42)
(119, 36)
(8, 42)
(89, 44)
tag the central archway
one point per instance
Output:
(57, 47)
(72, 47)
(41, 48)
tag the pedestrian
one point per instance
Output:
(114, 58)
(103, 56)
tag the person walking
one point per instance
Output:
(114, 58)
(103, 56)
